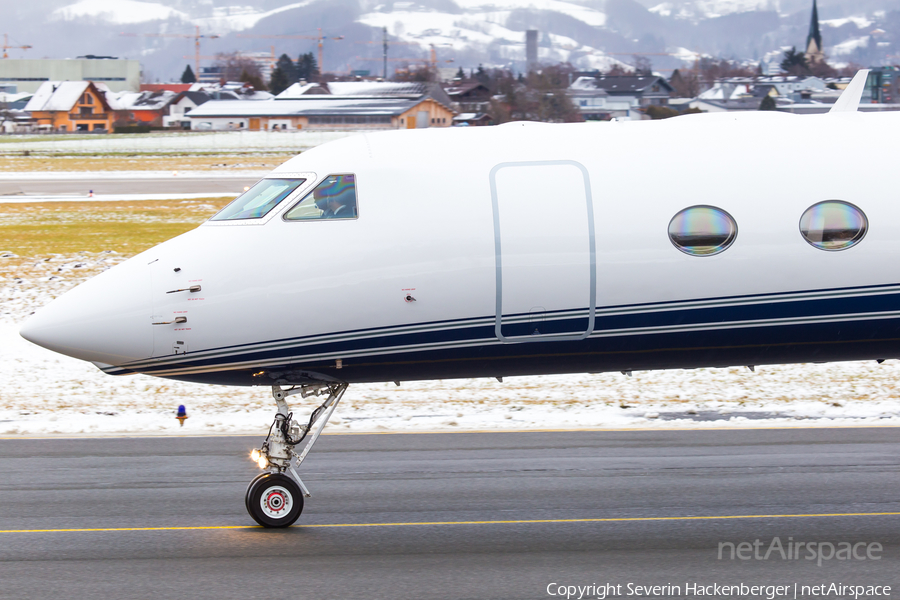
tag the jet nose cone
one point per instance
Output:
(106, 319)
(30, 332)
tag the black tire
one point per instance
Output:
(274, 500)
(250, 487)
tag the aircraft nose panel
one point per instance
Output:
(106, 319)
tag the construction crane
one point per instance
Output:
(6, 46)
(434, 60)
(196, 37)
(319, 38)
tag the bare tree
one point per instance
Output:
(686, 85)
(417, 73)
(850, 70)
(541, 96)
(711, 69)
(642, 65)
(618, 69)
(236, 67)
(821, 68)
(550, 85)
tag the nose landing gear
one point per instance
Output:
(275, 498)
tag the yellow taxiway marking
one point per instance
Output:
(435, 523)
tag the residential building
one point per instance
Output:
(733, 94)
(596, 104)
(473, 119)
(801, 95)
(787, 86)
(28, 74)
(13, 118)
(642, 89)
(142, 108)
(14, 101)
(746, 93)
(67, 106)
(232, 90)
(602, 97)
(302, 88)
(181, 106)
(469, 96)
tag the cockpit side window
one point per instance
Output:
(334, 198)
(259, 200)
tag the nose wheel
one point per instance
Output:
(274, 500)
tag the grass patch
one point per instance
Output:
(46, 228)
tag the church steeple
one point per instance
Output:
(814, 39)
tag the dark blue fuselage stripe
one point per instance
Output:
(716, 316)
(863, 340)
(741, 302)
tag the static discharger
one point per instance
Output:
(181, 415)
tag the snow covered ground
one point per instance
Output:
(42, 393)
(120, 12)
(125, 175)
(220, 141)
(130, 175)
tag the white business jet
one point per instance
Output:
(699, 241)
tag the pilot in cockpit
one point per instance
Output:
(336, 199)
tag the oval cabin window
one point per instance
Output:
(833, 225)
(702, 230)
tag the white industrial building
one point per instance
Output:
(27, 74)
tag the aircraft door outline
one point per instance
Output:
(516, 277)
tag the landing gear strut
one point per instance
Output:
(275, 498)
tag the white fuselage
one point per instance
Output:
(519, 249)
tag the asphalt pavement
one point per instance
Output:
(465, 515)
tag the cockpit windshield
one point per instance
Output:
(256, 202)
(334, 198)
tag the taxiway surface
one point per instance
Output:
(466, 515)
(140, 185)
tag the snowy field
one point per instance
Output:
(219, 141)
(126, 176)
(42, 393)
(133, 175)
